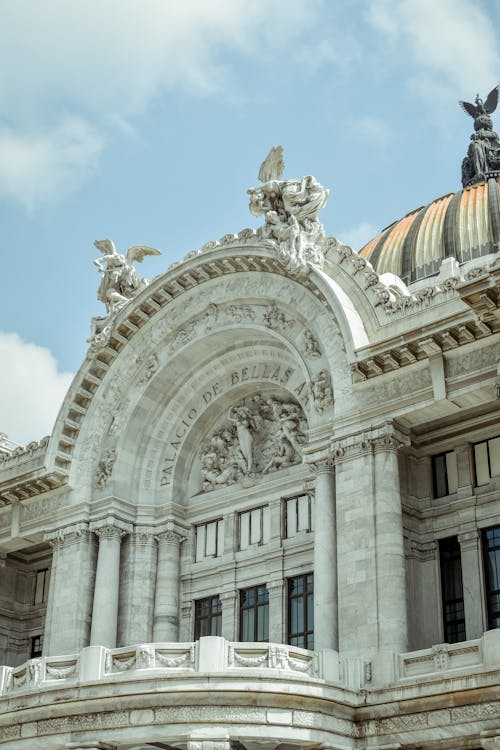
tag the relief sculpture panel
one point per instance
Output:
(258, 436)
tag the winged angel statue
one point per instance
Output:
(120, 281)
(291, 209)
(483, 155)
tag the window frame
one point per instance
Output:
(492, 613)
(262, 540)
(307, 598)
(219, 531)
(212, 616)
(260, 607)
(450, 567)
(287, 501)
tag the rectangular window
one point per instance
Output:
(487, 460)
(491, 559)
(254, 527)
(298, 515)
(209, 539)
(301, 611)
(445, 473)
(207, 617)
(254, 614)
(36, 646)
(452, 590)
(41, 586)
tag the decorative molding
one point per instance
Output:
(68, 535)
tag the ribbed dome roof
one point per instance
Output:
(463, 225)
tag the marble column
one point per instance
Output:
(166, 611)
(325, 559)
(391, 573)
(107, 583)
(424, 611)
(276, 614)
(137, 587)
(470, 553)
(69, 606)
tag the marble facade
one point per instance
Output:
(267, 409)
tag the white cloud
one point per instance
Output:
(103, 62)
(452, 43)
(38, 167)
(32, 389)
(357, 237)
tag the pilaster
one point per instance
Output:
(276, 614)
(229, 602)
(470, 553)
(69, 607)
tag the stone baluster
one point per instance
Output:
(107, 582)
(166, 612)
(137, 587)
(470, 553)
(390, 555)
(69, 606)
(325, 558)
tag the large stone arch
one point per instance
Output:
(123, 377)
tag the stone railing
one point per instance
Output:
(209, 654)
(212, 654)
(483, 652)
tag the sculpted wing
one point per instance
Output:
(105, 246)
(471, 109)
(137, 252)
(273, 166)
(491, 102)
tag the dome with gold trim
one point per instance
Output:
(464, 225)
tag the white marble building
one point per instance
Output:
(269, 511)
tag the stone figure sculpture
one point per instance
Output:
(120, 281)
(259, 436)
(291, 209)
(483, 155)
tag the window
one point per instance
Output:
(41, 586)
(487, 460)
(297, 515)
(452, 590)
(491, 558)
(254, 614)
(301, 611)
(36, 646)
(254, 527)
(444, 473)
(207, 617)
(209, 539)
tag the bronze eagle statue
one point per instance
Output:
(480, 107)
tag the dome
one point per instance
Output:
(464, 225)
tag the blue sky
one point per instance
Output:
(145, 121)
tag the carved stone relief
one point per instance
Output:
(105, 468)
(259, 436)
(311, 345)
(321, 388)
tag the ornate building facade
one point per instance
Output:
(268, 514)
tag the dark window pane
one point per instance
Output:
(254, 614)
(300, 610)
(491, 557)
(207, 617)
(452, 590)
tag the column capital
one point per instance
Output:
(110, 528)
(384, 437)
(468, 538)
(143, 535)
(67, 535)
(170, 533)
(275, 588)
(421, 550)
(324, 465)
